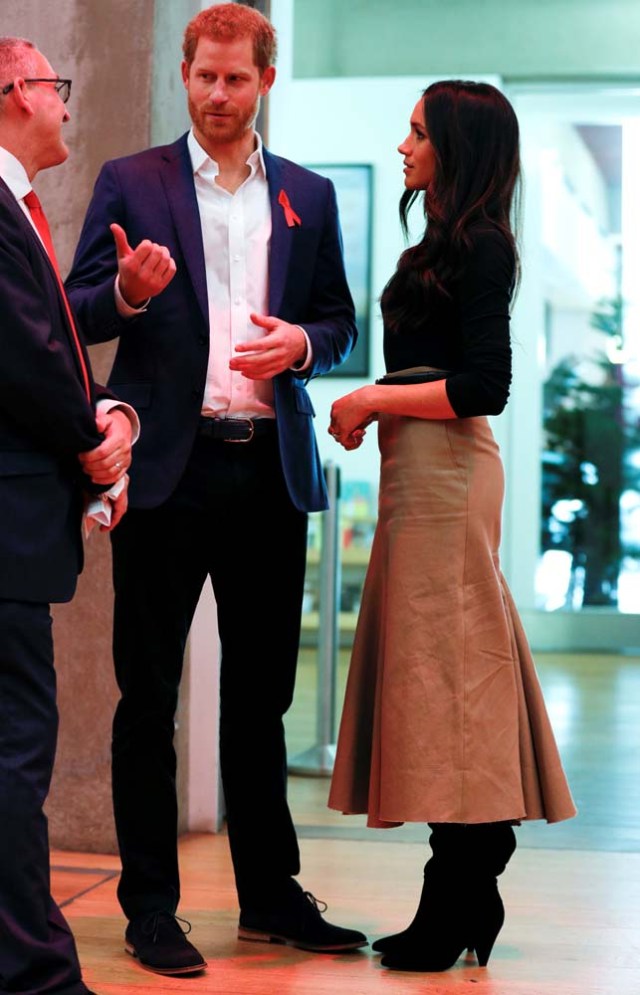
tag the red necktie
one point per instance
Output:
(40, 221)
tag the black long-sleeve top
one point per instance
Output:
(468, 332)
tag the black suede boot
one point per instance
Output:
(460, 906)
(419, 924)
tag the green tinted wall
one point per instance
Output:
(517, 39)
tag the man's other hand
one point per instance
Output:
(282, 347)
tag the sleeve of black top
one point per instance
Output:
(481, 385)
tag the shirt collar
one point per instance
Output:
(14, 174)
(204, 165)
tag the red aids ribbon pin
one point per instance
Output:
(290, 215)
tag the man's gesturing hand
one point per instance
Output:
(282, 347)
(144, 272)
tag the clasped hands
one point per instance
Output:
(109, 462)
(350, 417)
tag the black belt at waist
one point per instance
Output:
(235, 429)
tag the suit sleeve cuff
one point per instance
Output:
(125, 310)
(305, 363)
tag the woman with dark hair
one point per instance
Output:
(444, 721)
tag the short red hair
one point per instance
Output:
(228, 22)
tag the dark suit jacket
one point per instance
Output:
(161, 362)
(45, 421)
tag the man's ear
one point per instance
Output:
(184, 69)
(267, 80)
(21, 96)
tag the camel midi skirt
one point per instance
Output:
(443, 719)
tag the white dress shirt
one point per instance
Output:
(236, 233)
(15, 176)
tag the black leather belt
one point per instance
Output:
(235, 429)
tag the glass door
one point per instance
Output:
(577, 344)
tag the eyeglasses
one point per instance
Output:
(61, 86)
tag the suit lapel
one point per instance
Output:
(280, 248)
(23, 221)
(177, 177)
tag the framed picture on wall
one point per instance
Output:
(353, 185)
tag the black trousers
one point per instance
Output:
(230, 519)
(37, 951)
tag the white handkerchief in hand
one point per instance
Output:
(99, 508)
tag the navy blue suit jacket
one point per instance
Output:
(161, 361)
(46, 419)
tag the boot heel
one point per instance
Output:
(483, 951)
(486, 937)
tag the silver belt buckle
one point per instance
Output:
(249, 422)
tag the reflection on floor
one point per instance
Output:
(571, 928)
(594, 704)
(572, 892)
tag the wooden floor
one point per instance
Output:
(572, 924)
(572, 892)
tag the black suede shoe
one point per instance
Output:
(297, 920)
(158, 941)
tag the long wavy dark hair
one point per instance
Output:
(476, 184)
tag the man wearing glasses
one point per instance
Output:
(61, 86)
(58, 435)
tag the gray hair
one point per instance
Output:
(17, 58)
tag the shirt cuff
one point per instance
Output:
(125, 310)
(108, 403)
(305, 363)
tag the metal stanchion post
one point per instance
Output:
(318, 760)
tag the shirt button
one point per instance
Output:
(238, 300)
(236, 259)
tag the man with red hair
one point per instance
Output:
(226, 470)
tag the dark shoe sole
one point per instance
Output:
(192, 969)
(413, 962)
(391, 944)
(258, 936)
